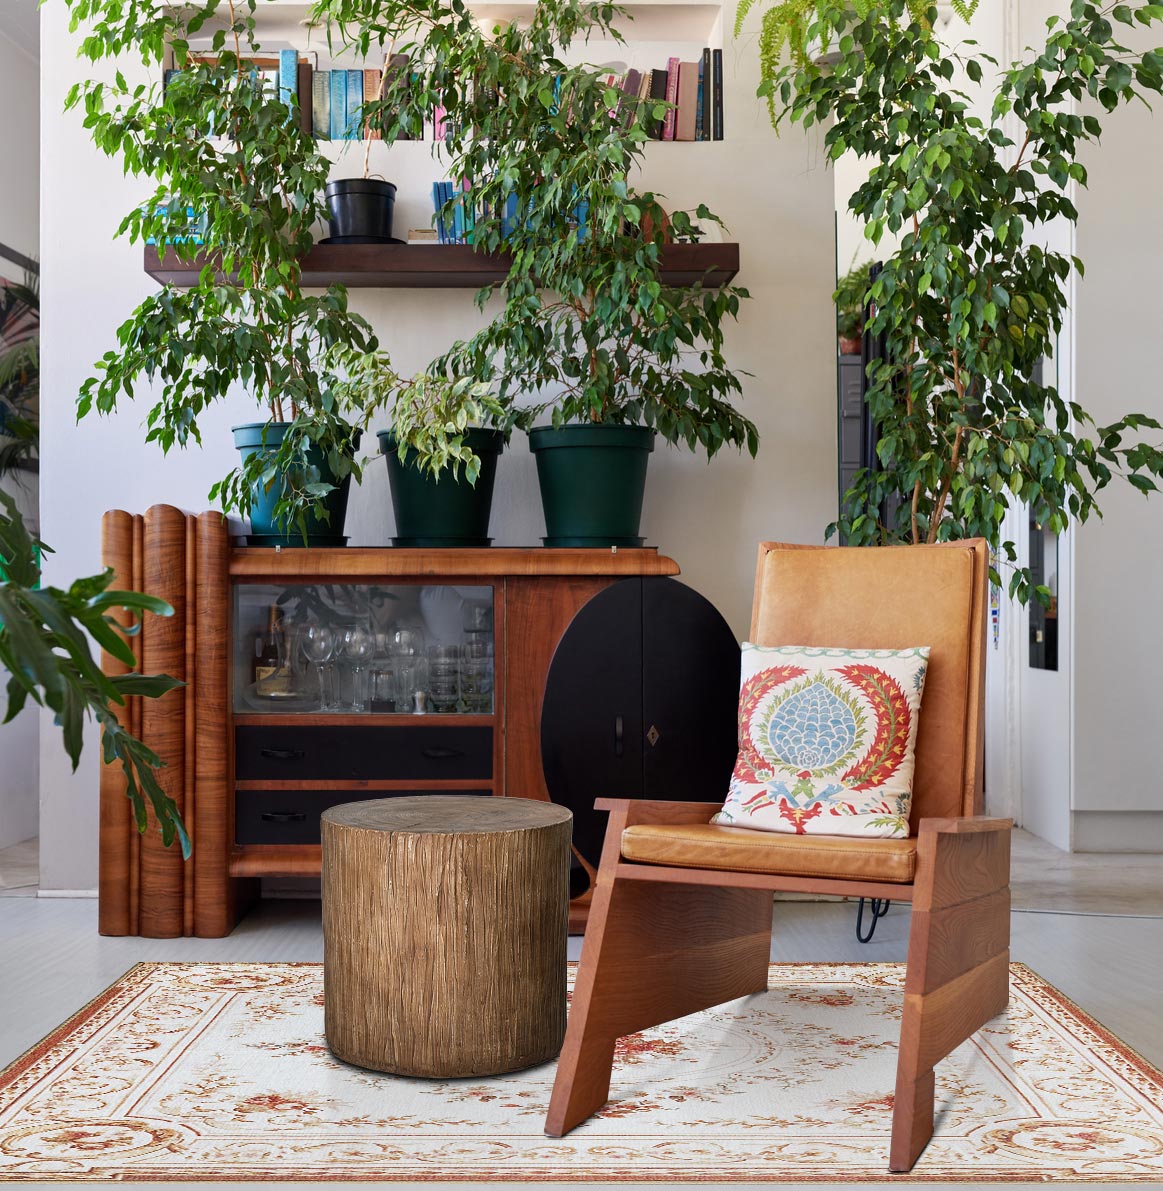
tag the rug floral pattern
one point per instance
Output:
(220, 1071)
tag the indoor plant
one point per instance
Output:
(970, 302)
(19, 375)
(588, 336)
(441, 449)
(251, 194)
(44, 647)
(850, 295)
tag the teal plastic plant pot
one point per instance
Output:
(249, 439)
(442, 511)
(593, 479)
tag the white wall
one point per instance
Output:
(19, 229)
(774, 194)
(19, 201)
(1119, 560)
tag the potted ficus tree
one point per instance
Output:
(590, 348)
(235, 178)
(849, 297)
(972, 300)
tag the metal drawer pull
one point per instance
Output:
(441, 754)
(283, 816)
(282, 754)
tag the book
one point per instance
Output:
(707, 87)
(354, 120)
(396, 80)
(668, 122)
(688, 92)
(304, 94)
(699, 106)
(321, 104)
(717, 96)
(338, 121)
(657, 96)
(288, 77)
(372, 82)
(630, 88)
(438, 115)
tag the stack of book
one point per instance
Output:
(330, 102)
(454, 225)
(693, 89)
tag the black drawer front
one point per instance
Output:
(292, 816)
(321, 752)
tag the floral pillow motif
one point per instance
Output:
(826, 740)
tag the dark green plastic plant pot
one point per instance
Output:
(249, 439)
(442, 512)
(593, 479)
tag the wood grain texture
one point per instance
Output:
(274, 860)
(444, 266)
(355, 564)
(116, 814)
(190, 721)
(958, 967)
(444, 934)
(217, 899)
(136, 722)
(635, 972)
(163, 720)
(537, 612)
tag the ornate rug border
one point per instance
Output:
(1031, 982)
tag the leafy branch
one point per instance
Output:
(44, 646)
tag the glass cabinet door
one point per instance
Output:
(352, 649)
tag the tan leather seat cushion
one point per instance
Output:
(707, 845)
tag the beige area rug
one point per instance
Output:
(220, 1071)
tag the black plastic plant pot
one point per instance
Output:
(267, 437)
(361, 208)
(593, 480)
(440, 511)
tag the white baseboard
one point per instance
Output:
(89, 893)
(1118, 831)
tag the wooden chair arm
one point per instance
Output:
(642, 810)
(963, 826)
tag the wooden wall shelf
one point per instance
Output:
(443, 266)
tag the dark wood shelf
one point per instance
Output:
(443, 266)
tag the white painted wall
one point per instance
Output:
(19, 229)
(1119, 560)
(775, 195)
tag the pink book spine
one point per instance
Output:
(668, 124)
(438, 115)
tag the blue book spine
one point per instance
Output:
(354, 105)
(436, 209)
(338, 104)
(288, 77)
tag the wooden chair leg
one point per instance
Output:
(653, 952)
(958, 965)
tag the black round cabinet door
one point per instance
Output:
(640, 702)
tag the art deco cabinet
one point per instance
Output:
(265, 640)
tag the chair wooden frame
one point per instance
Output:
(663, 942)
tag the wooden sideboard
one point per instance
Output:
(198, 730)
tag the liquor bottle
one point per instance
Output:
(268, 654)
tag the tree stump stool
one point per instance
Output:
(444, 933)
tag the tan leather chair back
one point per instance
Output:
(896, 597)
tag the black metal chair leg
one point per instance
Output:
(879, 907)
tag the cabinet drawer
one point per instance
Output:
(292, 816)
(320, 752)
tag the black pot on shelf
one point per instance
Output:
(361, 207)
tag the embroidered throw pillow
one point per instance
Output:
(826, 740)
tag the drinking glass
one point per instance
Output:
(444, 677)
(319, 645)
(412, 684)
(359, 647)
(476, 676)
